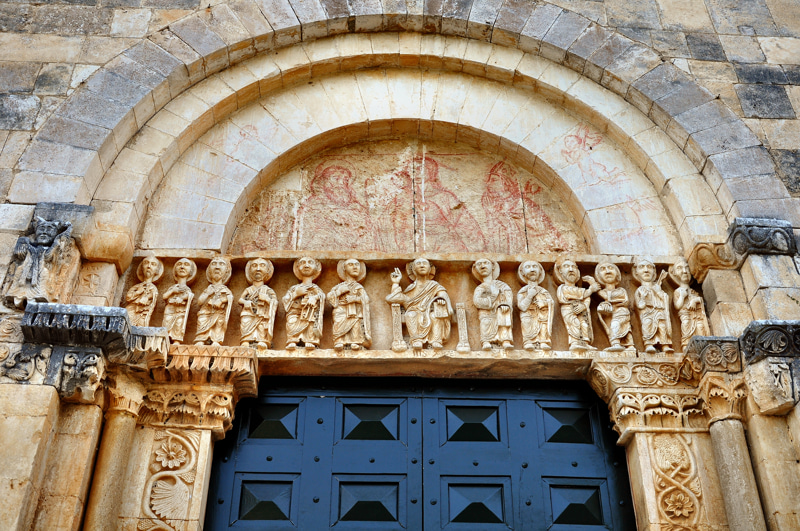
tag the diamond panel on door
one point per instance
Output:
(477, 503)
(371, 422)
(361, 499)
(577, 504)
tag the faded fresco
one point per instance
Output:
(407, 196)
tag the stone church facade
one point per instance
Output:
(197, 197)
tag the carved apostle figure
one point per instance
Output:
(493, 299)
(689, 303)
(535, 306)
(141, 299)
(428, 310)
(43, 265)
(215, 303)
(350, 303)
(259, 304)
(614, 311)
(304, 304)
(178, 299)
(575, 303)
(653, 307)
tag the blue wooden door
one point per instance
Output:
(414, 455)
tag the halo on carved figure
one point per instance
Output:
(560, 261)
(317, 268)
(495, 270)
(159, 270)
(362, 273)
(192, 270)
(228, 269)
(539, 278)
(248, 269)
(410, 269)
(617, 273)
(634, 270)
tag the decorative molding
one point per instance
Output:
(10, 329)
(771, 385)
(24, 363)
(606, 377)
(706, 256)
(189, 406)
(634, 411)
(723, 396)
(716, 354)
(762, 339)
(746, 236)
(169, 489)
(72, 324)
(761, 236)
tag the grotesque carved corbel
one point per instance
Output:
(771, 352)
(78, 372)
(44, 266)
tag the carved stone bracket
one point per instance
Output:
(77, 372)
(771, 352)
(746, 236)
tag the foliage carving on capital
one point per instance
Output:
(723, 396)
(606, 377)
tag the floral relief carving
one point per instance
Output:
(168, 490)
(678, 491)
(24, 363)
(723, 396)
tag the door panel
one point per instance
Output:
(370, 455)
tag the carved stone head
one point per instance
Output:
(259, 270)
(184, 269)
(307, 267)
(530, 272)
(45, 232)
(351, 269)
(420, 269)
(607, 274)
(485, 269)
(219, 270)
(150, 269)
(644, 270)
(680, 274)
(566, 271)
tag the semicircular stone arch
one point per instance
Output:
(618, 208)
(159, 69)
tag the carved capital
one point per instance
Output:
(607, 377)
(198, 387)
(723, 396)
(762, 339)
(125, 393)
(646, 397)
(714, 354)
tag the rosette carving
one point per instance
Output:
(678, 491)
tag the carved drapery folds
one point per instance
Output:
(746, 236)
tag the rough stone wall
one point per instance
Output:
(747, 52)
